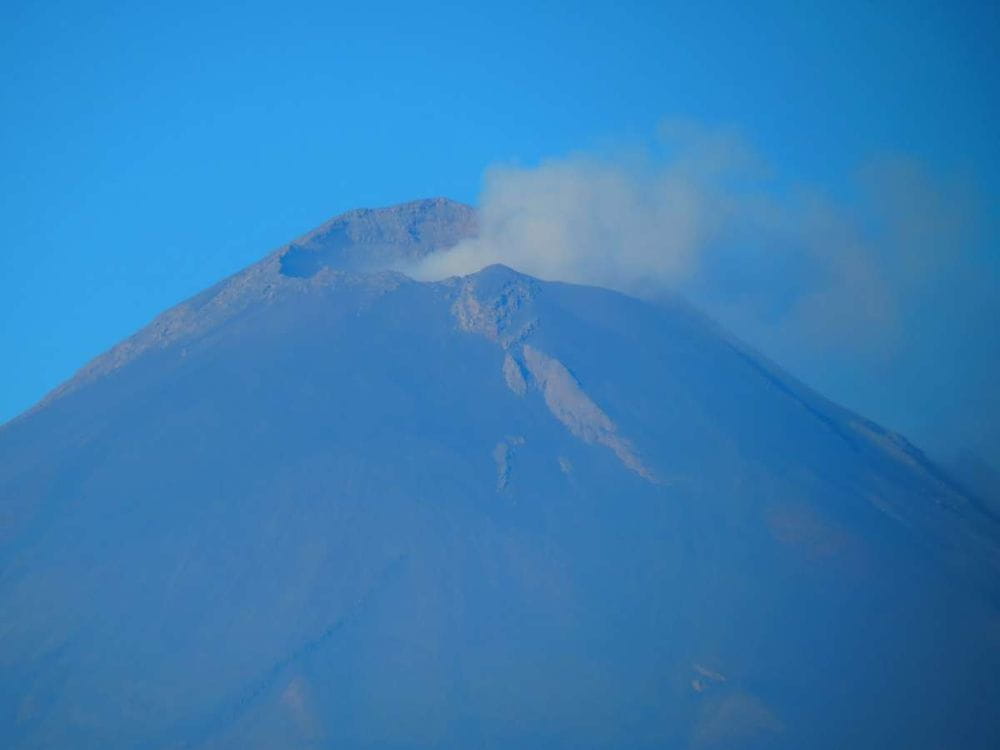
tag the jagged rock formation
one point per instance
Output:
(324, 505)
(358, 241)
(366, 239)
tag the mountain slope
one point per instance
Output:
(326, 505)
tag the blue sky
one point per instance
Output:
(150, 148)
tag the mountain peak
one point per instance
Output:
(358, 246)
(368, 239)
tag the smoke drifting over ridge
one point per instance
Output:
(884, 300)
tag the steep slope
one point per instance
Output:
(344, 508)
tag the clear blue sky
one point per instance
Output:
(148, 149)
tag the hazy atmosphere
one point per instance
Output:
(542, 375)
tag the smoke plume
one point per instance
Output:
(884, 300)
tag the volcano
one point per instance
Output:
(324, 505)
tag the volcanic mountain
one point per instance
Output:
(324, 505)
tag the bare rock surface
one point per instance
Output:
(368, 239)
(571, 406)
